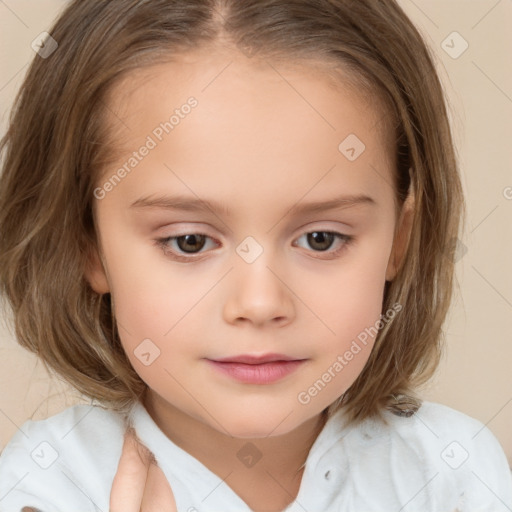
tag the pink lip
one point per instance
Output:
(257, 369)
(255, 359)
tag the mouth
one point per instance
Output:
(257, 369)
(256, 358)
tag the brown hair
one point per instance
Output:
(57, 142)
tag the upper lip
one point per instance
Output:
(255, 359)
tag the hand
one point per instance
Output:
(139, 484)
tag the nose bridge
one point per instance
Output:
(258, 293)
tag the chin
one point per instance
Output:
(259, 424)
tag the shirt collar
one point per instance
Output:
(182, 469)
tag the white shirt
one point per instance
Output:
(438, 460)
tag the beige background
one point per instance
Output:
(476, 374)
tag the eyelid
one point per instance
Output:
(192, 229)
(343, 238)
(337, 227)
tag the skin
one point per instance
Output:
(259, 144)
(139, 484)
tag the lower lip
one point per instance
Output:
(264, 373)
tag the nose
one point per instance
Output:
(259, 295)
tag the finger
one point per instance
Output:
(158, 494)
(130, 479)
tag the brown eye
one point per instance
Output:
(178, 247)
(190, 243)
(320, 240)
(185, 247)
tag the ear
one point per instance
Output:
(95, 273)
(402, 235)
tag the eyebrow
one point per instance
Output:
(192, 204)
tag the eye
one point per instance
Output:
(190, 243)
(322, 241)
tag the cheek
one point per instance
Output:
(342, 351)
(155, 315)
(151, 296)
(156, 305)
(348, 309)
(349, 297)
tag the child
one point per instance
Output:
(261, 371)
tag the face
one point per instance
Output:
(257, 270)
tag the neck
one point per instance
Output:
(281, 458)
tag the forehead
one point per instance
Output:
(204, 74)
(256, 122)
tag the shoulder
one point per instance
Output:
(439, 420)
(460, 438)
(67, 458)
(435, 459)
(462, 454)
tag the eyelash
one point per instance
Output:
(163, 243)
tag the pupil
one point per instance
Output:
(190, 242)
(322, 238)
